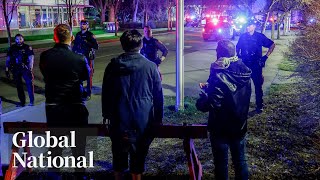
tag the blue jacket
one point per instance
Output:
(132, 97)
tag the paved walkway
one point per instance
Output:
(194, 73)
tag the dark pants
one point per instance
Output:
(62, 119)
(128, 145)
(28, 78)
(220, 147)
(258, 79)
(89, 81)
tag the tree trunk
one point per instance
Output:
(279, 21)
(264, 26)
(115, 10)
(111, 14)
(145, 16)
(103, 15)
(134, 17)
(4, 8)
(169, 19)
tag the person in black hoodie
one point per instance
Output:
(229, 90)
(132, 102)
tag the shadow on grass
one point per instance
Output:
(8, 100)
(10, 82)
(169, 87)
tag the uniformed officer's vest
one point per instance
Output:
(19, 55)
(81, 47)
(251, 50)
(150, 49)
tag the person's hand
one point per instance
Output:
(7, 73)
(263, 60)
(203, 85)
(162, 58)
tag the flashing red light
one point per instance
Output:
(271, 19)
(203, 29)
(207, 15)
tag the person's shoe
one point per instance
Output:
(31, 104)
(87, 98)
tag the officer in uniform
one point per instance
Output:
(249, 49)
(85, 43)
(151, 46)
(20, 58)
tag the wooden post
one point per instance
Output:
(12, 173)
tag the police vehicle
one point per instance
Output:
(217, 30)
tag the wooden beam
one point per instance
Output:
(164, 131)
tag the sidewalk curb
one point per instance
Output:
(17, 110)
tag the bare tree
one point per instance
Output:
(101, 6)
(244, 6)
(268, 10)
(8, 8)
(135, 11)
(113, 9)
(71, 5)
(283, 9)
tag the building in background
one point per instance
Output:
(39, 14)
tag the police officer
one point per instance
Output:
(151, 46)
(85, 43)
(249, 49)
(20, 58)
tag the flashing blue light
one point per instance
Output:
(242, 20)
(220, 30)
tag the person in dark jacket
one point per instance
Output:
(228, 89)
(249, 48)
(85, 43)
(20, 58)
(151, 46)
(63, 72)
(132, 101)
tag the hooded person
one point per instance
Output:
(228, 92)
(132, 101)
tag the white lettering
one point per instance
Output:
(63, 141)
(30, 140)
(41, 163)
(14, 140)
(49, 159)
(36, 141)
(18, 157)
(82, 162)
(73, 161)
(49, 138)
(32, 162)
(52, 162)
(73, 139)
(59, 159)
(90, 159)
